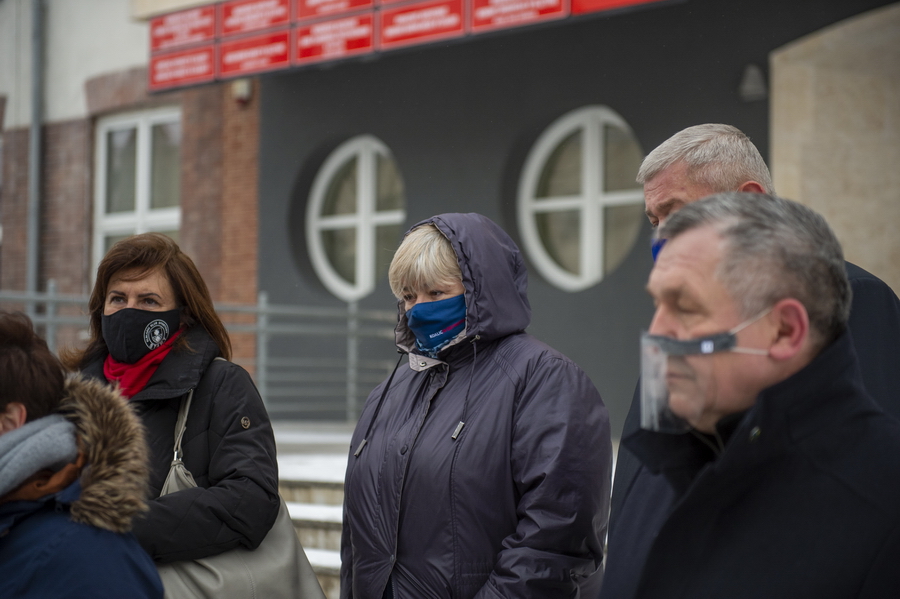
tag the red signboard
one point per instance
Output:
(334, 39)
(246, 16)
(421, 22)
(313, 9)
(183, 28)
(254, 54)
(497, 14)
(584, 6)
(172, 69)
(185, 49)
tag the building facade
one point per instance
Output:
(300, 181)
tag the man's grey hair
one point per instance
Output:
(774, 249)
(718, 156)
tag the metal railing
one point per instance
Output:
(303, 376)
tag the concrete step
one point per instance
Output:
(312, 459)
(312, 478)
(327, 566)
(318, 526)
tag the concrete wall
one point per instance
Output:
(836, 133)
(84, 39)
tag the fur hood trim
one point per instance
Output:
(112, 439)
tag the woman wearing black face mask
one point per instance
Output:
(155, 333)
(481, 467)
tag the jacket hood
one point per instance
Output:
(111, 437)
(493, 273)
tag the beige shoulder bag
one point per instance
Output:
(277, 569)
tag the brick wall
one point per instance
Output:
(65, 213)
(14, 209)
(201, 182)
(219, 191)
(65, 208)
(240, 206)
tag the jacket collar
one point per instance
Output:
(180, 372)
(798, 407)
(13, 512)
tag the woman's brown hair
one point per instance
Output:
(144, 253)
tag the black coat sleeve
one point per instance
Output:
(229, 447)
(627, 464)
(875, 329)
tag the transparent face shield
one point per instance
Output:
(675, 384)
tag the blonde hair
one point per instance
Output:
(424, 259)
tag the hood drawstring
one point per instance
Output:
(378, 406)
(462, 421)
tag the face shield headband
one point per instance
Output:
(662, 357)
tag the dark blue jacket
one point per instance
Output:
(516, 504)
(803, 502)
(75, 543)
(44, 554)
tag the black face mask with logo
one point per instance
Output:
(131, 334)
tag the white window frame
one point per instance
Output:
(589, 203)
(365, 220)
(143, 218)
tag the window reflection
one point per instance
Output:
(121, 169)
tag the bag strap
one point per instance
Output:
(181, 422)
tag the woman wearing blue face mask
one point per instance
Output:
(155, 334)
(481, 467)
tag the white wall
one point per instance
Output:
(83, 39)
(15, 60)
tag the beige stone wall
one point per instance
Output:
(835, 133)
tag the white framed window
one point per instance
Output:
(137, 175)
(579, 208)
(354, 217)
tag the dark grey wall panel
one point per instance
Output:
(460, 117)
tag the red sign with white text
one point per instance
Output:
(497, 14)
(254, 54)
(314, 9)
(335, 39)
(197, 65)
(421, 23)
(584, 6)
(183, 28)
(245, 16)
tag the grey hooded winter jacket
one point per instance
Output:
(516, 505)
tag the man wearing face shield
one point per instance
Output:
(776, 472)
(692, 164)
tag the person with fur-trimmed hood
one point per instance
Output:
(73, 475)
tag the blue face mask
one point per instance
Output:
(435, 323)
(656, 244)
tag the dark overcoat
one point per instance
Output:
(514, 505)
(803, 502)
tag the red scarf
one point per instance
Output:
(132, 378)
